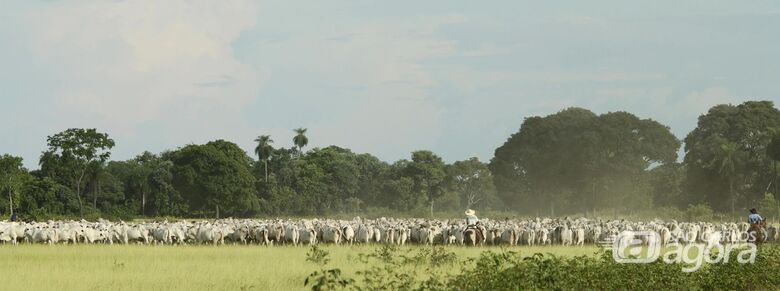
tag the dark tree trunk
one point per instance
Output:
(78, 193)
(731, 192)
(10, 197)
(95, 192)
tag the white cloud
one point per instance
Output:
(384, 79)
(122, 64)
(368, 77)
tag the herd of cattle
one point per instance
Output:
(539, 231)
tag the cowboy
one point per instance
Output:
(473, 222)
(754, 217)
(471, 218)
(756, 221)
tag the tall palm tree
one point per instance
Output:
(300, 140)
(727, 156)
(264, 150)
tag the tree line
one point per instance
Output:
(573, 161)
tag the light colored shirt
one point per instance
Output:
(471, 220)
(754, 218)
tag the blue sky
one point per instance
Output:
(384, 77)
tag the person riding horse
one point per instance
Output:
(472, 222)
(756, 227)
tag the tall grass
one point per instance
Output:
(231, 267)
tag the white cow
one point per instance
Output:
(90, 235)
(544, 236)
(509, 236)
(377, 235)
(579, 234)
(45, 235)
(363, 234)
(566, 236)
(292, 234)
(307, 236)
(529, 237)
(331, 234)
(348, 234)
(8, 233)
(210, 234)
(403, 235)
(261, 235)
(138, 233)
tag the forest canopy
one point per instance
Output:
(570, 162)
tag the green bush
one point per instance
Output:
(388, 268)
(768, 206)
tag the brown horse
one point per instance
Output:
(472, 236)
(756, 233)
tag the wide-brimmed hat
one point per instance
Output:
(470, 212)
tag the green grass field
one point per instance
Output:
(106, 267)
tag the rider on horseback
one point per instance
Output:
(756, 223)
(472, 222)
(471, 217)
(754, 217)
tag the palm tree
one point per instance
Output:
(727, 158)
(264, 150)
(300, 140)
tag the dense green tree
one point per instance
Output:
(215, 176)
(167, 200)
(340, 175)
(398, 190)
(144, 166)
(773, 151)
(726, 162)
(427, 171)
(667, 181)
(40, 199)
(12, 178)
(571, 161)
(147, 182)
(322, 181)
(135, 180)
(372, 172)
(768, 206)
(283, 165)
(95, 176)
(74, 151)
(741, 132)
(472, 181)
(577, 160)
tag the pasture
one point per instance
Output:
(370, 254)
(228, 267)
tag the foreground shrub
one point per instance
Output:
(388, 269)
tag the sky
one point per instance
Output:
(382, 77)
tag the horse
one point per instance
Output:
(756, 233)
(473, 236)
